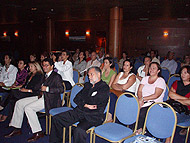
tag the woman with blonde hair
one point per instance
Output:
(30, 88)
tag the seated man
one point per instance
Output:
(91, 102)
(65, 69)
(170, 63)
(50, 98)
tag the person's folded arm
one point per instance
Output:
(157, 93)
(175, 96)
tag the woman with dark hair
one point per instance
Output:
(108, 74)
(151, 90)
(180, 91)
(125, 80)
(30, 88)
(124, 57)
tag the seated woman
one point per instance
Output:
(80, 65)
(143, 70)
(124, 57)
(180, 91)
(108, 74)
(125, 80)
(186, 61)
(27, 90)
(151, 89)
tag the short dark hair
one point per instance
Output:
(50, 61)
(110, 59)
(24, 60)
(97, 69)
(159, 68)
(147, 57)
(67, 52)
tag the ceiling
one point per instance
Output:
(18, 11)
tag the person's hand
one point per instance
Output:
(92, 107)
(43, 88)
(141, 102)
(24, 90)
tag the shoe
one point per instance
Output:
(15, 132)
(3, 118)
(36, 136)
(183, 132)
(1, 107)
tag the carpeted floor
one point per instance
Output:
(26, 133)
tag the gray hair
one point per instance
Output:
(97, 69)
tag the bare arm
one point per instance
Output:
(157, 93)
(139, 94)
(139, 77)
(112, 79)
(184, 101)
(175, 96)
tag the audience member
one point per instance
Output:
(143, 70)
(93, 61)
(180, 91)
(51, 88)
(27, 90)
(43, 56)
(125, 80)
(76, 55)
(170, 63)
(87, 55)
(65, 69)
(8, 73)
(151, 90)
(124, 57)
(186, 61)
(33, 57)
(80, 65)
(91, 102)
(108, 74)
(101, 55)
(153, 56)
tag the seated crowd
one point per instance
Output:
(38, 85)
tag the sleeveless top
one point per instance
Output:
(108, 78)
(132, 88)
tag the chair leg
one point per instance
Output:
(91, 134)
(94, 138)
(46, 125)
(70, 134)
(187, 135)
(49, 124)
(64, 134)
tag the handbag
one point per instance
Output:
(178, 107)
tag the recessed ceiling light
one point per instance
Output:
(33, 8)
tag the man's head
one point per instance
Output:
(47, 65)
(152, 54)
(170, 55)
(7, 59)
(94, 74)
(93, 56)
(65, 55)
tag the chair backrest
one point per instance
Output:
(172, 79)
(116, 67)
(86, 79)
(166, 93)
(137, 65)
(74, 91)
(127, 109)
(165, 74)
(161, 120)
(76, 76)
(178, 67)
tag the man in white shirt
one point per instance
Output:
(170, 63)
(65, 69)
(51, 87)
(93, 61)
(153, 56)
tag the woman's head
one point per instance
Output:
(108, 62)
(127, 66)
(185, 73)
(187, 59)
(32, 57)
(35, 67)
(154, 69)
(81, 55)
(147, 61)
(124, 55)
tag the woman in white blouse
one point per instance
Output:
(125, 80)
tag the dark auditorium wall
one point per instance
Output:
(140, 36)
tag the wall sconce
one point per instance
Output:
(67, 33)
(88, 33)
(16, 33)
(4, 34)
(165, 34)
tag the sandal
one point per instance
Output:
(183, 132)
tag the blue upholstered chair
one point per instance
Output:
(183, 123)
(74, 91)
(166, 94)
(137, 65)
(165, 74)
(127, 112)
(172, 79)
(86, 79)
(160, 122)
(76, 75)
(116, 67)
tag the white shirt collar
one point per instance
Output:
(48, 74)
